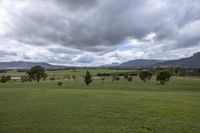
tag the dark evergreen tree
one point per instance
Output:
(88, 78)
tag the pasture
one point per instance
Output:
(109, 107)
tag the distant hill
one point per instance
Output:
(26, 65)
(140, 63)
(193, 61)
(190, 62)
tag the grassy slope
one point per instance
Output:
(117, 106)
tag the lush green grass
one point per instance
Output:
(117, 107)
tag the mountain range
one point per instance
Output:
(189, 62)
(27, 65)
(193, 61)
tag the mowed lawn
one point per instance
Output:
(110, 107)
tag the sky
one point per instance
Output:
(98, 32)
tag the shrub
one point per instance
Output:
(133, 74)
(59, 84)
(52, 79)
(5, 79)
(24, 78)
(130, 79)
(68, 77)
(8, 78)
(117, 78)
(103, 79)
(126, 76)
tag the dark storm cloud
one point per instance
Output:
(97, 25)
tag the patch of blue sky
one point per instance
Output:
(125, 47)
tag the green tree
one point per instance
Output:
(88, 78)
(36, 73)
(145, 75)
(5, 79)
(24, 78)
(163, 77)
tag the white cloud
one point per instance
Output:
(96, 32)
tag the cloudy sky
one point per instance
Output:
(96, 32)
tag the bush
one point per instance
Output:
(130, 79)
(133, 74)
(24, 78)
(126, 76)
(3, 71)
(68, 77)
(117, 78)
(103, 79)
(5, 79)
(59, 84)
(52, 79)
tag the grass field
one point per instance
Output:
(110, 107)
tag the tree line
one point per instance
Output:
(38, 73)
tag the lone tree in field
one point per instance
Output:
(145, 75)
(163, 77)
(88, 78)
(37, 73)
